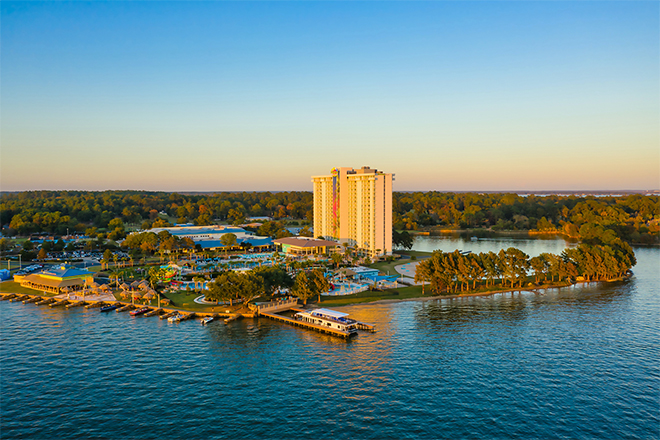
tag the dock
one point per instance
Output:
(125, 308)
(75, 304)
(46, 301)
(167, 315)
(231, 318)
(154, 312)
(308, 325)
(187, 316)
(19, 298)
(59, 303)
(34, 299)
(91, 305)
(8, 296)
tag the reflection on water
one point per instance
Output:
(577, 362)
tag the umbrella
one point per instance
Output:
(124, 286)
(93, 284)
(165, 301)
(148, 295)
(137, 295)
(125, 294)
(104, 287)
(134, 284)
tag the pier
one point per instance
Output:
(308, 325)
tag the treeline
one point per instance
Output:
(57, 211)
(230, 286)
(451, 272)
(634, 218)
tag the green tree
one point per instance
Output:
(301, 287)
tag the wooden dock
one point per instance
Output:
(59, 303)
(92, 305)
(309, 325)
(8, 296)
(125, 308)
(154, 312)
(34, 299)
(167, 315)
(75, 304)
(19, 298)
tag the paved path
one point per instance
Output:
(408, 272)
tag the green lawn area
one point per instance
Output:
(183, 299)
(369, 296)
(14, 287)
(385, 266)
(418, 254)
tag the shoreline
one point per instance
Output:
(536, 290)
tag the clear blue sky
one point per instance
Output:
(262, 95)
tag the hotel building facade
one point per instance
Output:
(354, 206)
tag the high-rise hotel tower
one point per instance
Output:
(355, 207)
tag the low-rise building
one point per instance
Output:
(209, 237)
(305, 246)
(55, 279)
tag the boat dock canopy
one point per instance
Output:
(328, 312)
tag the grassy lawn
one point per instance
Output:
(418, 254)
(369, 296)
(14, 287)
(385, 266)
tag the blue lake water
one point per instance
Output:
(577, 363)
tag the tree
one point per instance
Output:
(301, 287)
(402, 239)
(228, 240)
(42, 254)
(219, 289)
(305, 232)
(336, 259)
(318, 282)
(538, 265)
(274, 278)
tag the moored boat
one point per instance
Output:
(329, 318)
(174, 318)
(109, 308)
(139, 311)
(207, 319)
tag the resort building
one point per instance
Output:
(305, 246)
(355, 207)
(208, 237)
(57, 279)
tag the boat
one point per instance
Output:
(139, 311)
(174, 318)
(329, 318)
(109, 308)
(207, 319)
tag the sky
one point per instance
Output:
(259, 96)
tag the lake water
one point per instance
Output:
(577, 363)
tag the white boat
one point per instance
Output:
(174, 318)
(328, 318)
(207, 319)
